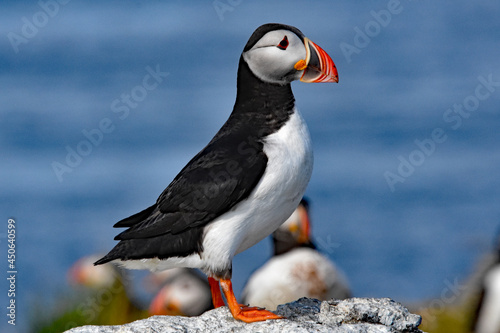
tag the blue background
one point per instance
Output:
(406, 243)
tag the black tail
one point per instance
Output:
(136, 218)
(162, 247)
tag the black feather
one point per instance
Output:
(134, 219)
(265, 28)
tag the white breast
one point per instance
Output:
(289, 168)
(277, 194)
(489, 316)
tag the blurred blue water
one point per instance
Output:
(395, 89)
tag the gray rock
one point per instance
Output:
(366, 315)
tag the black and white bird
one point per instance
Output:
(297, 268)
(245, 182)
(122, 305)
(487, 319)
(185, 292)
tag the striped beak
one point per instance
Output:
(318, 66)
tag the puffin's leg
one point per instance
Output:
(217, 299)
(215, 290)
(242, 312)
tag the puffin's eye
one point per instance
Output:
(284, 43)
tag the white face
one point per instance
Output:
(273, 62)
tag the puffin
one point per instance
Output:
(84, 273)
(487, 314)
(185, 292)
(295, 231)
(101, 296)
(245, 182)
(297, 269)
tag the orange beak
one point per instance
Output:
(318, 66)
(304, 225)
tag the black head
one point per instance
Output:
(295, 231)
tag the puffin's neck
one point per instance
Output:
(255, 96)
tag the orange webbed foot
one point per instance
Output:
(248, 314)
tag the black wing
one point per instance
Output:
(217, 178)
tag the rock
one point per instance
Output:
(364, 315)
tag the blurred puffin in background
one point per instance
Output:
(100, 296)
(84, 273)
(184, 292)
(297, 269)
(487, 319)
(110, 287)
